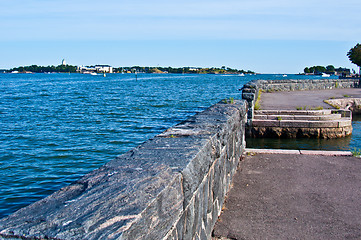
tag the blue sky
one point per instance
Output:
(267, 36)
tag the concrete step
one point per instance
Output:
(294, 112)
(249, 151)
(299, 117)
(301, 123)
(343, 122)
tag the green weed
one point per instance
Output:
(317, 108)
(257, 105)
(229, 101)
(333, 105)
(356, 152)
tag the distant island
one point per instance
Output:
(65, 68)
(330, 69)
(41, 69)
(197, 70)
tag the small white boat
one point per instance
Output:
(93, 73)
(284, 75)
(325, 75)
(242, 74)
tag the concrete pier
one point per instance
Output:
(306, 113)
(294, 194)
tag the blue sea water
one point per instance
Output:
(54, 128)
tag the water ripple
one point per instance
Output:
(54, 128)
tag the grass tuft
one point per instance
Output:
(257, 105)
(229, 101)
(356, 152)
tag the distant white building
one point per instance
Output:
(96, 68)
(63, 62)
(104, 68)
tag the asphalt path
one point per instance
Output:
(293, 196)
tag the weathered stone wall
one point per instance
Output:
(252, 89)
(171, 187)
(307, 84)
(353, 104)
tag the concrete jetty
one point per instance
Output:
(309, 113)
(294, 194)
(291, 109)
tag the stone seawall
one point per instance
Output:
(171, 187)
(353, 104)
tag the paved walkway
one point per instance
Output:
(292, 100)
(290, 195)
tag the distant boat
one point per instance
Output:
(325, 75)
(242, 74)
(284, 75)
(104, 75)
(91, 73)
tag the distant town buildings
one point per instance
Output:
(96, 68)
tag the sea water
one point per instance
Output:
(54, 128)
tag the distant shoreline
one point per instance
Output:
(65, 68)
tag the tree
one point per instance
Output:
(355, 55)
(330, 69)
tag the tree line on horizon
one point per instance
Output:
(354, 55)
(213, 70)
(330, 69)
(43, 69)
(134, 69)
